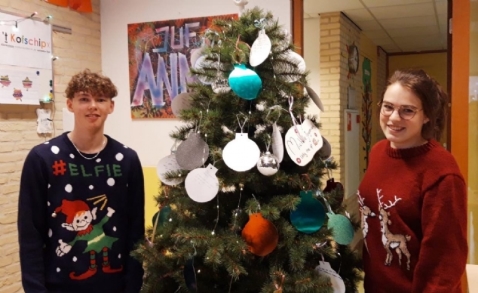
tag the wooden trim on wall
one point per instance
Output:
(417, 52)
(448, 72)
(387, 68)
(460, 75)
(297, 19)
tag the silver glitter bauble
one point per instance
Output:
(268, 164)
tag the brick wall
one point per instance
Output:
(336, 33)
(382, 76)
(77, 51)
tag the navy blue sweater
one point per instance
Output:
(79, 219)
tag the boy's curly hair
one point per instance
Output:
(92, 83)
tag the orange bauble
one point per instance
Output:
(260, 235)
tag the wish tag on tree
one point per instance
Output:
(342, 229)
(168, 164)
(324, 269)
(294, 58)
(302, 141)
(326, 151)
(180, 102)
(260, 49)
(241, 154)
(315, 97)
(192, 153)
(202, 184)
(202, 63)
(196, 53)
(277, 143)
(221, 85)
(190, 277)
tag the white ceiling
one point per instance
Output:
(395, 25)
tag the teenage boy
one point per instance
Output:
(81, 204)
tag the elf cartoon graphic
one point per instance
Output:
(79, 218)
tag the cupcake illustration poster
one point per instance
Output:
(20, 86)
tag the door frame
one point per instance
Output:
(460, 76)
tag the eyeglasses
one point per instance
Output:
(405, 112)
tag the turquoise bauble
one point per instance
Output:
(244, 82)
(342, 229)
(163, 215)
(309, 215)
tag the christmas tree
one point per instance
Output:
(237, 212)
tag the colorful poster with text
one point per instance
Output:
(159, 54)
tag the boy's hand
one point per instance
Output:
(110, 212)
(63, 248)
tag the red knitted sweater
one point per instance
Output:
(413, 204)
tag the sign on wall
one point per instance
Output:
(159, 62)
(25, 60)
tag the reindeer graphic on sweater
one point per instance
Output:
(365, 212)
(397, 242)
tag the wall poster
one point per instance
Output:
(159, 54)
(25, 60)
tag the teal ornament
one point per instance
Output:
(244, 82)
(163, 214)
(309, 215)
(342, 229)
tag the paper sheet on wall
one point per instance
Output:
(19, 86)
(68, 120)
(25, 43)
(26, 75)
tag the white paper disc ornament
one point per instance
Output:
(297, 60)
(192, 153)
(201, 63)
(241, 154)
(268, 164)
(180, 102)
(324, 269)
(168, 164)
(326, 151)
(260, 49)
(277, 143)
(202, 184)
(196, 53)
(315, 98)
(302, 141)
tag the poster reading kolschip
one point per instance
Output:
(25, 60)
